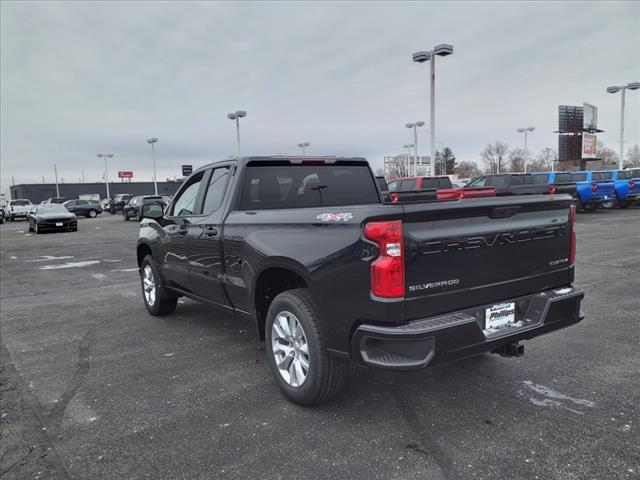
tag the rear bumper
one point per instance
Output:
(460, 335)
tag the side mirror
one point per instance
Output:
(152, 211)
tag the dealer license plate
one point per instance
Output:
(58, 224)
(500, 315)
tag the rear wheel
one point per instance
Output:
(93, 213)
(590, 207)
(305, 372)
(158, 301)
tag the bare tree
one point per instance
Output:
(608, 157)
(494, 156)
(467, 170)
(516, 160)
(544, 161)
(633, 156)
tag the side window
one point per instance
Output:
(407, 185)
(393, 186)
(478, 182)
(185, 203)
(215, 192)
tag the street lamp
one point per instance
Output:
(442, 50)
(304, 146)
(409, 147)
(525, 131)
(151, 141)
(106, 172)
(415, 126)
(628, 86)
(237, 115)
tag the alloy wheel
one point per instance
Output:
(149, 285)
(290, 349)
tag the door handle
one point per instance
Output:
(210, 232)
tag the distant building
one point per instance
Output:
(37, 192)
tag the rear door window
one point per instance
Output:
(541, 179)
(297, 186)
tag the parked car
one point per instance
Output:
(118, 202)
(627, 188)
(589, 192)
(59, 200)
(18, 208)
(86, 208)
(419, 189)
(309, 253)
(52, 217)
(510, 184)
(134, 208)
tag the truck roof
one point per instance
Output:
(289, 159)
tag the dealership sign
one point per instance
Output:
(589, 144)
(125, 174)
(187, 170)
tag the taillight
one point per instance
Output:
(552, 189)
(572, 235)
(394, 197)
(632, 185)
(387, 271)
(594, 187)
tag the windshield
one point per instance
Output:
(52, 208)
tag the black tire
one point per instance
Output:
(326, 373)
(590, 207)
(92, 213)
(165, 302)
(623, 204)
(126, 217)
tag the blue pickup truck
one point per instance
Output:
(627, 186)
(590, 190)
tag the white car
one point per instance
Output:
(18, 208)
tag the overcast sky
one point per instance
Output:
(81, 78)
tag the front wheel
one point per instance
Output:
(158, 301)
(305, 372)
(92, 214)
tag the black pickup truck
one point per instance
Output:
(511, 184)
(306, 249)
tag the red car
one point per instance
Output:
(440, 188)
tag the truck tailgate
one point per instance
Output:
(479, 251)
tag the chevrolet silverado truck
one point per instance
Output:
(627, 188)
(510, 184)
(589, 191)
(432, 188)
(307, 251)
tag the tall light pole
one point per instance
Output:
(525, 131)
(106, 172)
(237, 115)
(152, 141)
(409, 147)
(55, 169)
(415, 126)
(420, 57)
(628, 86)
(304, 146)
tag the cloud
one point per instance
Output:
(85, 77)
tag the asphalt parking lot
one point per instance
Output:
(93, 387)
